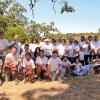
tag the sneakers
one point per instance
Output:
(16, 82)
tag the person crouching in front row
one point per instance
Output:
(28, 68)
(12, 61)
(41, 63)
(54, 65)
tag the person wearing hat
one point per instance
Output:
(47, 48)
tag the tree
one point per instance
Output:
(65, 8)
(11, 31)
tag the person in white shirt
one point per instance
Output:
(81, 56)
(96, 44)
(34, 44)
(54, 45)
(82, 42)
(23, 45)
(76, 49)
(26, 49)
(12, 62)
(87, 49)
(41, 63)
(17, 44)
(47, 48)
(66, 64)
(62, 48)
(77, 67)
(4, 45)
(55, 64)
(70, 51)
(28, 68)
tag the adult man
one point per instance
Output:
(47, 48)
(17, 44)
(96, 44)
(4, 45)
(11, 65)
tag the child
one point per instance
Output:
(1, 64)
(81, 56)
(97, 65)
(54, 63)
(29, 66)
(41, 63)
(65, 66)
(78, 67)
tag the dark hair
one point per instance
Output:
(36, 53)
(26, 45)
(54, 40)
(63, 40)
(92, 56)
(28, 53)
(14, 47)
(34, 39)
(42, 51)
(55, 51)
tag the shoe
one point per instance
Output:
(32, 81)
(25, 81)
(16, 82)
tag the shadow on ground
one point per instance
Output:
(82, 88)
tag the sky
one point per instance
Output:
(86, 18)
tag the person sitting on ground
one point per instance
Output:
(28, 68)
(97, 65)
(55, 64)
(78, 67)
(66, 66)
(41, 63)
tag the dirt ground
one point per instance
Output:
(75, 88)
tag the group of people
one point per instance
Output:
(49, 59)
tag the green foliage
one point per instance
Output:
(11, 31)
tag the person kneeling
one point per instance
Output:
(54, 65)
(41, 63)
(12, 61)
(28, 68)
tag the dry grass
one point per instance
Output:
(77, 88)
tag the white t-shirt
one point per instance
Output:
(66, 63)
(3, 45)
(1, 63)
(54, 47)
(76, 49)
(95, 46)
(86, 51)
(47, 49)
(61, 49)
(81, 55)
(70, 49)
(41, 61)
(32, 47)
(77, 66)
(81, 43)
(54, 63)
(29, 63)
(11, 59)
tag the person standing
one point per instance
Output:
(17, 44)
